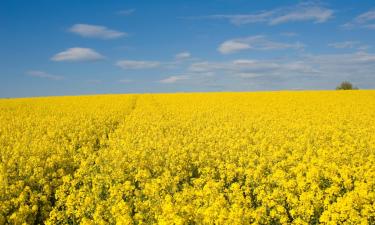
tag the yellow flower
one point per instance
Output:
(217, 158)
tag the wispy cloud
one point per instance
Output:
(77, 54)
(96, 31)
(350, 45)
(241, 19)
(303, 12)
(298, 13)
(247, 75)
(42, 74)
(125, 81)
(94, 81)
(182, 55)
(125, 12)
(207, 67)
(136, 64)
(344, 44)
(258, 42)
(335, 66)
(174, 79)
(289, 34)
(364, 20)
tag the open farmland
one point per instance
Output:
(220, 158)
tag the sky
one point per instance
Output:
(53, 48)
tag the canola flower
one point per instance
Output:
(220, 158)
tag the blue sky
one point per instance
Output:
(91, 47)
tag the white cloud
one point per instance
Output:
(174, 79)
(245, 62)
(95, 31)
(232, 46)
(42, 74)
(126, 12)
(77, 54)
(301, 12)
(182, 55)
(365, 20)
(256, 43)
(134, 64)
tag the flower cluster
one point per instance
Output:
(218, 158)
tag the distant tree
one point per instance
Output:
(346, 85)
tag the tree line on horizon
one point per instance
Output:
(346, 85)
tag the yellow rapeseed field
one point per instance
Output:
(207, 158)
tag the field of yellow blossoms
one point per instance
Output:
(304, 157)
